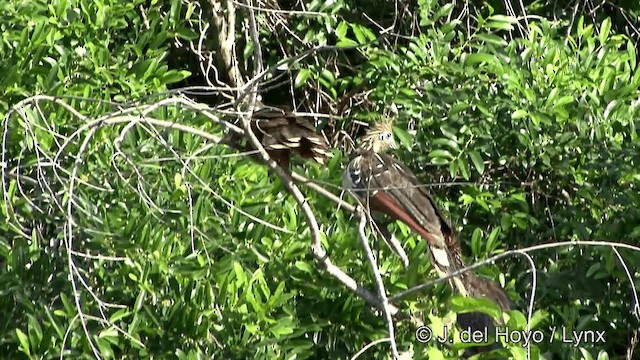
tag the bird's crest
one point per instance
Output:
(380, 136)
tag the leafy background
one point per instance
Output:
(522, 116)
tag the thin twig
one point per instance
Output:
(69, 243)
(368, 346)
(534, 286)
(492, 259)
(319, 189)
(382, 293)
(634, 293)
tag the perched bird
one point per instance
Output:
(479, 287)
(383, 184)
(283, 133)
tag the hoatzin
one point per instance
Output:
(383, 184)
(283, 133)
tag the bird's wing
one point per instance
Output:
(411, 177)
(384, 184)
(280, 130)
(390, 187)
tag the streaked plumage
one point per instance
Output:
(282, 133)
(384, 184)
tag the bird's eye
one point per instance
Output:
(381, 137)
(388, 135)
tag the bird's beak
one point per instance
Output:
(393, 144)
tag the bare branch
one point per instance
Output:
(492, 259)
(379, 283)
(319, 189)
(368, 346)
(634, 294)
(226, 29)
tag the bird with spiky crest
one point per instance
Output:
(383, 184)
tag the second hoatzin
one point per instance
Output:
(383, 184)
(282, 133)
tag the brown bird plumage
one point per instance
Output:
(384, 184)
(282, 133)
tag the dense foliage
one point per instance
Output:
(524, 125)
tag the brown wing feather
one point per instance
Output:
(383, 203)
(281, 133)
(406, 172)
(392, 188)
(395, 180)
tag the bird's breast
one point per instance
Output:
(352, 177)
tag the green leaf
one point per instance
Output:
(476, 241)
(105, 347)
(108, 332)
(447, 142)
(301, 77)
(537, 317)
(631, 53)
(500, 25)
(284, 326)
(567, 99)
(503, 18)
(453, 168)
(439, 161)
(605, 27)
(517, 320)
(186, 34)
(440, 154)
(478, 58)
(120, 314)
(24, 342)
(35, 331)
(248, 50)
(519, 114)
(434, 354)
(173, 76)
(59, 332)
(462, 304)
(493, 236)
(448, 27)
(341, 30)
(443, 11)
(357, 31)
(464, 169)
(301, 265)
(476, 159)
(492, 39)
(404, 137)
(328, 75)
(585, 354)
(580, 25)
(241, 278)
(346, 42)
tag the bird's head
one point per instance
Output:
(380, 137)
